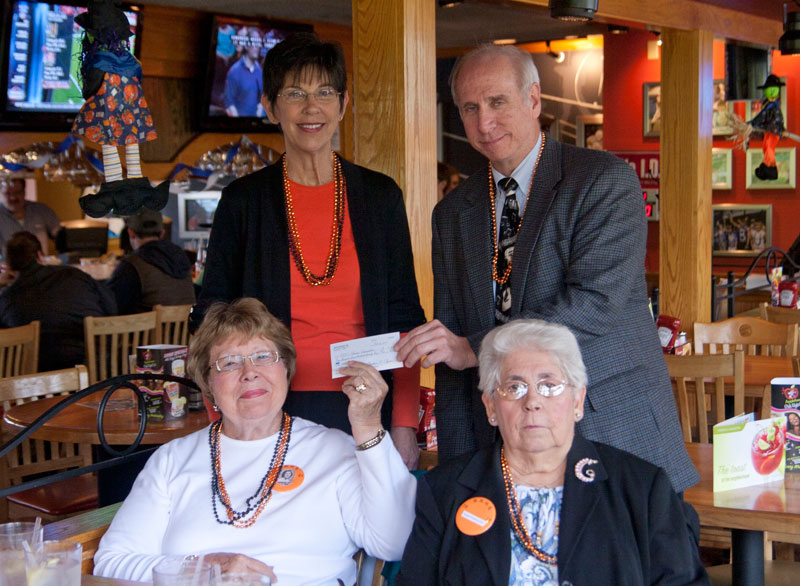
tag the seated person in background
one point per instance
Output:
(18, 214)
(344, 493)
(158, 271)
(568, 510)
(58, 296)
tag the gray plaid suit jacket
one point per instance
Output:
(578, 261)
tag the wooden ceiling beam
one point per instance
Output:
(686, 15)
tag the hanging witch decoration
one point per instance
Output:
(115, 113)
(767, 123)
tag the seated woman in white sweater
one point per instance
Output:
(258, 490)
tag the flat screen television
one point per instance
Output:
(746, 68)
(196, 213)
(233, 86)
(39, 57)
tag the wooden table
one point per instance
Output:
(748, 512)
(95, 581)
(78, 423)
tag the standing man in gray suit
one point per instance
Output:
(545, 231)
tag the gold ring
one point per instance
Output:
(361, 388)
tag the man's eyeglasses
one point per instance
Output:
(547, 387)
(236, 361)
(324, 95)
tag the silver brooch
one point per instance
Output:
(588, 475)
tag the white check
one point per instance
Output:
(374, 350)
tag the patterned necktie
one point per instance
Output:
(507, 237)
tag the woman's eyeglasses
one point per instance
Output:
(546, 387)
(325, 95)
(236, 361)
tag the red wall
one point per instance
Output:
(627, 68)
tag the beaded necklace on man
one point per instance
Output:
(335, 247)
(516, 518)
(257, 502)
(501, 279)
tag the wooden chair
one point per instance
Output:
(172, 324)
(796, 365)
(34, 457)
(110, 340)
(690, 375)
(779, 315)
(19, 350)
(753, 335)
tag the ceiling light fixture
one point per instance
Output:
(557, 56)
(504, 41)
(789, 43)
(449, 3)
(573, 10)
(617, 29)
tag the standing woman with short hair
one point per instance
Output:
(322, 242)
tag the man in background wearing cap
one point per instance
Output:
(156, 272)
(18, 214)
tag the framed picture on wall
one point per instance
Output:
(721, 168)
(753, 107)
(589, 131)
(785, 159)
(723, 111)
(741, 230)
(651, 110)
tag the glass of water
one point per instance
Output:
(57, 564)
(12, 556)
(182, 572)
(241, 579)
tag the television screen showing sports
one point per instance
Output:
(43, 57)
(236, 81)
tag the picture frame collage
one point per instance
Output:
(722, 158)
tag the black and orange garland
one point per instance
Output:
(516, 518)
(492, 198)
(339, 191)
(257, 502)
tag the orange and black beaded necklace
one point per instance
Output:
(335, 247)
(257, 502)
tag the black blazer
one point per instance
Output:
(578, 261)
(248, 251)
(625, 528)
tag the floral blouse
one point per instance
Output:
(541, 510)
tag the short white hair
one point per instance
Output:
(532, 335)
(527, 74)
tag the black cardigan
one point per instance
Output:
(626, 527)
(248, 252)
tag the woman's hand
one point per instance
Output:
(236, 562)
(366, 390)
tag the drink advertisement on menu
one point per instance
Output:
(786, 404)
(748, 452)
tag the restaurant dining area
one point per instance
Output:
(244, 339)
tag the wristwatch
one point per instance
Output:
(371, 443)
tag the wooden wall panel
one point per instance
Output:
(394, 104)
(688, 15)
(685, 196)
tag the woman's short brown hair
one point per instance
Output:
(247, 318)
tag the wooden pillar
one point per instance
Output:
(394, 106)
(685, 191)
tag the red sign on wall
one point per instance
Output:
(646, 164)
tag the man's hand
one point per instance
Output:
(405, 440)
(7, 276)
(438, 344)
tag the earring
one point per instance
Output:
(492, 420)
(215, 407)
